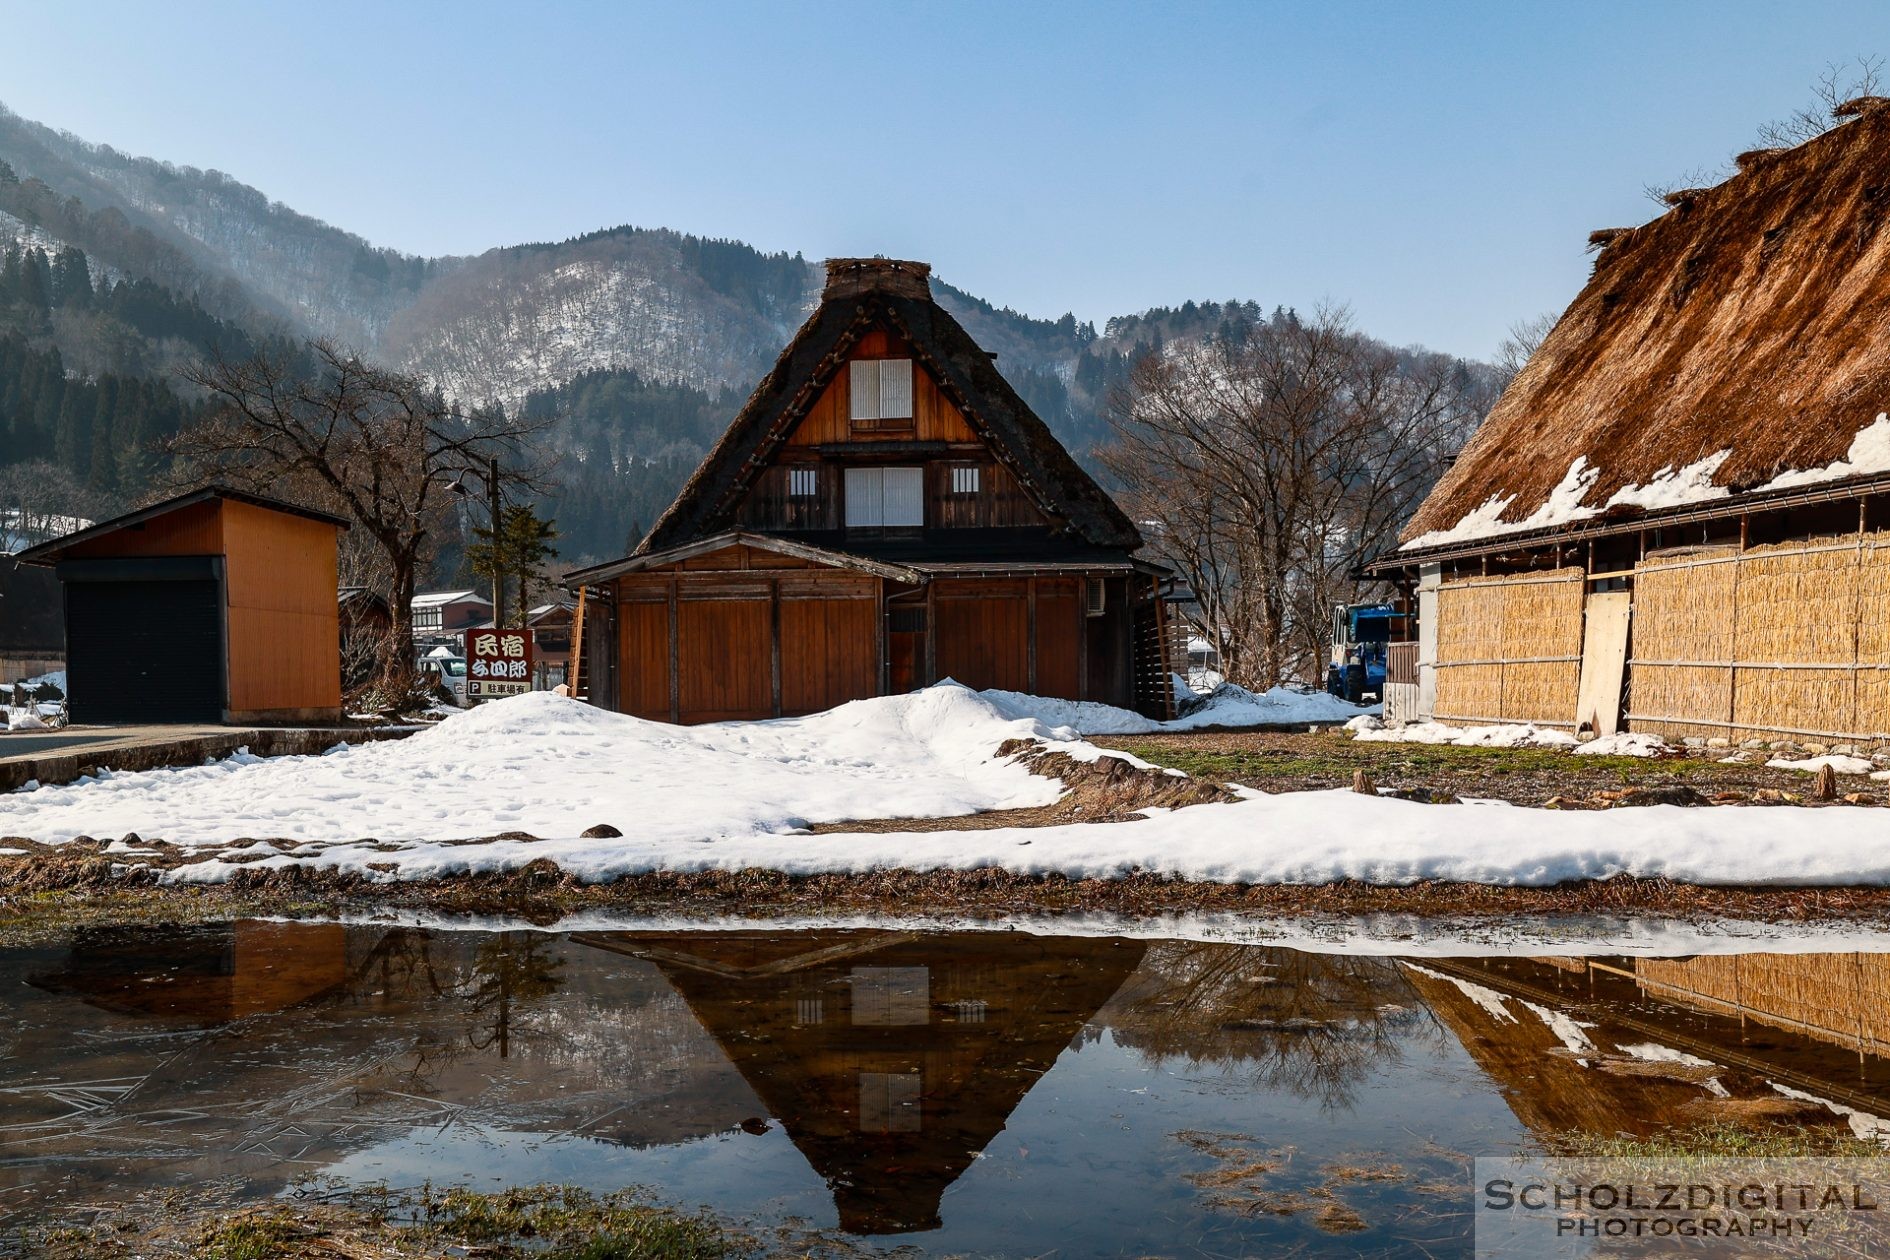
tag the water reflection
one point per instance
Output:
(989, 1092)
(891, 1060)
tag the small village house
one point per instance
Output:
(214, 606)
(1677, 518)
(440, 616)
(885, 512)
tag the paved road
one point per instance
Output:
(74, 738)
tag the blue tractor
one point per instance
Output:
(1356, 669)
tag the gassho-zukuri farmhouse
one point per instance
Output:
(885, 512)
(1677, 518)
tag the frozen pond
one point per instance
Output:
(968, 1093)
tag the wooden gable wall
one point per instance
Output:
(934, 418)
(826, 440)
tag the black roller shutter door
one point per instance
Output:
(145, 651)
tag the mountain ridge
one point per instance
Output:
(640, 342)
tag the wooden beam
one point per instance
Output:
(774, 640)
(880, 641)
(1030, 621)
(675, 661)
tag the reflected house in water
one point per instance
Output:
(203, 975)
(890, 1059)
(1614, 1045)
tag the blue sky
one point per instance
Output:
(1436, 167)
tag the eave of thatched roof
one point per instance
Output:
(1754, 322)
(862, 294)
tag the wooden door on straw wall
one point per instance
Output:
(1605, 616)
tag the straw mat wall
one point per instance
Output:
(1509, 648)
(1841, 998)
(1781, 640)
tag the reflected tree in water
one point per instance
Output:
(1311, 1024)
(510, 969)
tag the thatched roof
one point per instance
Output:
(1757, 323)
(861, 294)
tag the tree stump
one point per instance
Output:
(1824, 787)
(1362, 783)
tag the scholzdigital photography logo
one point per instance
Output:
(1705, 1207)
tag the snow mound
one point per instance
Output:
(1231, 705)
(553, 766)
(1226, 705)
(1501, 735)
(1838, 763)
(1510, 735)
(1624, 744)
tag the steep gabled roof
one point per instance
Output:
(862, 293)
(1752, 318)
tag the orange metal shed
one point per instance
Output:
(217, 605)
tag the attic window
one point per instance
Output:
(965, 479)
(880, 393)
(803, 483)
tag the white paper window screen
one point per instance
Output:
(885, 496)
(895, 389)
(964, 481)
(863, 388)
(863, 496)
(803, 482)
(880, 389)
(904, 502)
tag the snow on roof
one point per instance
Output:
(430, 599)
(1869, 453)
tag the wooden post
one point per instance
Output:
(675, 653)
(577, 648)
(1082, 638)
(931, 633)
(1030, 634)
(774, 640)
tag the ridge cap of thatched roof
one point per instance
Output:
(1858, 106)
(856, 277)
(897, 294)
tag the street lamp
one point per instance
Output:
(491, 477)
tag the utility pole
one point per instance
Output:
(498, 561)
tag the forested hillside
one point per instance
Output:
(635, 345)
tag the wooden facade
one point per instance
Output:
(883, 515)
(268, 573)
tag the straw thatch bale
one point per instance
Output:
(1752, 158)
(1601, 238)
(1858, 106)
(1684, 196)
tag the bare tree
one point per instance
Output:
(1273, 464)
(40, 499)
(1838, 84)
(378, 446)
(1525, 337)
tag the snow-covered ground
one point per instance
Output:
(1225, 705)
(740, 795)
(1369, 729)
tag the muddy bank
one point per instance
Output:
(52, 890)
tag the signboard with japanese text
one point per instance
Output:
(498, 663)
